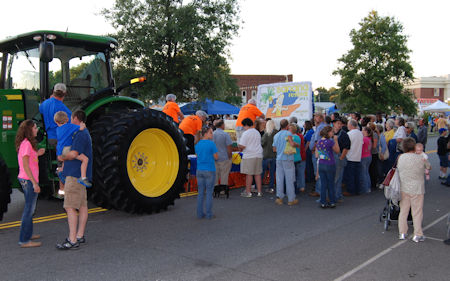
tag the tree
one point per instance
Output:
(374, 71)
(181, 48)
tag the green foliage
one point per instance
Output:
(325, 95)
(75, 71)
(374, 71)
(180, 48)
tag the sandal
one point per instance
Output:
(67, 245)
(81, 240)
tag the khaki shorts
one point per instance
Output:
(251, 166)
(66, 150)
(222, 171)
(75, 195)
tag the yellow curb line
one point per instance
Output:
(47, 218)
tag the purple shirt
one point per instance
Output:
(325, 150)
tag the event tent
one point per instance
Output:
(437, 106)
(210, 107)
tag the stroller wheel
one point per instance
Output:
(386, 225)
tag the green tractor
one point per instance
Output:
(139, 154)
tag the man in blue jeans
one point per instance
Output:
(340, 158)
(75, 197)
(354, 159)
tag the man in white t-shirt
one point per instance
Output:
(353, 167)
(251, 164)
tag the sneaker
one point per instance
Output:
(323, 206)
(31, 244)
(402, 236)
(332, 205)
(418, 238)
(67, 245)
(81, 240)
(259, 194)
(270, 190)
(447, 241)
(245, 194)
(279, 201)
(293, 202)
(85, 182)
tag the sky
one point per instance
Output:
(303, 38)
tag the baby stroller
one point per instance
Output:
(390, 213)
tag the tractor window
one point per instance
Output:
(23, 70)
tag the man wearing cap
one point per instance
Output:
(340, 158)
(191, 127)
(172, 109)
(247, 111)
(48, 109)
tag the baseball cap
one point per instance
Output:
(441, 130)
(60, 87)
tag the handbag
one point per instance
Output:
(388, 178)
(385, 155)
(289, 149)
(392, 191)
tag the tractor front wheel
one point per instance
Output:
(140, 161)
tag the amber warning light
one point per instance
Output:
(138, 80)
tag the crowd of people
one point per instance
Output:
(340, 155)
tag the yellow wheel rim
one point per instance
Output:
(152, 162)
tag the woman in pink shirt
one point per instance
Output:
(27, 156)
(366, 158)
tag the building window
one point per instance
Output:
(253, 94)
(436, 92)
(244, 93)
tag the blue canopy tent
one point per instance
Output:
(210, 107)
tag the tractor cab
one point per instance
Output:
(34, 62)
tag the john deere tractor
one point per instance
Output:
(139, 154)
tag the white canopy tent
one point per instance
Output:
(437, 106)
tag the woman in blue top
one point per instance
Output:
(327, 166)
(206, 171)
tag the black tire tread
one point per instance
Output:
(111, 135)
(5, 188)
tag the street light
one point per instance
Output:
(317, 94)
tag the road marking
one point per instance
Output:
(382, 253)
(187, 194)
(47, 218)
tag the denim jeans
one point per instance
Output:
(327, 174)
(205, 182)
(353, 169)
(340, 166)
(26, 228)
(269, 164)
(300, 174)
(365, 176)
(314, 161)
(285, 171)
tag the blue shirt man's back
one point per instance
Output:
(279, 141)
(82, 143)
(48, 109)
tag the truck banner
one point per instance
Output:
(284, 100)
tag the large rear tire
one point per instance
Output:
(5, 188)
(140, 161)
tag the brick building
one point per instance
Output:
(248, 84)
(430, 89)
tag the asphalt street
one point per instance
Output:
(250, 239)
